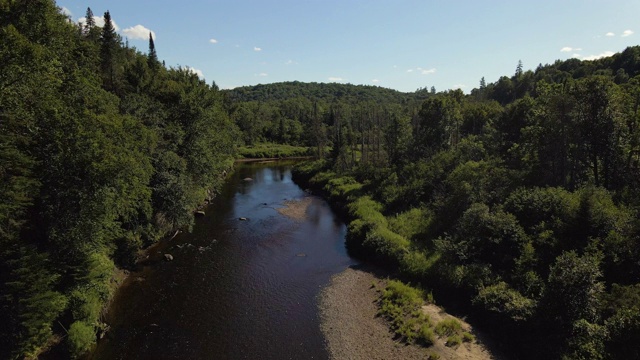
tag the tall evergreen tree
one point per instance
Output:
(153, 56)
(89, 22)
(107, 51)
(519, 69)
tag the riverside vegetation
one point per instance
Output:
(519, 200)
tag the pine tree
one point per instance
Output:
(107, 51)
(89, 23)
(483, 83)
(519, 69)
(153, 57)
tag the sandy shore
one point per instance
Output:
(296, 209)
(349, 322)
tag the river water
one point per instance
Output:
(236, 289)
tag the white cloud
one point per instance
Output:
(196, 71)
(213, 41)
(626, 33)
(138, 32)
(577, 56)
(569, 49)
(290, 62)
(422, 71)
(263, 74)
(99, 20)
(66, 11)
(609, 34)
(599, 56)
(255, 48)
(375, 81)
(335, 78)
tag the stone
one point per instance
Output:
(199, 213)
(168, 257)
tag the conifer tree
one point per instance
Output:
(153, 57)
(89, 22)
(107, 51)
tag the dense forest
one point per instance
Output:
(519, 201)
(103, 150)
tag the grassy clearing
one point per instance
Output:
(269, 150)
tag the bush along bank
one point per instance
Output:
(370, 235)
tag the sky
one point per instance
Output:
(399, 44)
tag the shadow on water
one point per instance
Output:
(236, 289)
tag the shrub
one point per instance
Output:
(85, 304)
(268, 150)
(468, 337)
(401, 305)
(385, 243)
(502, 299)
(411, 223)
(426, 335)
(453, 340)
(417, 264)
(80, 338)
(448, 327)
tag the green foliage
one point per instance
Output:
(411, 224)
(522, 198)
(80, 338)
(101, 152)
(425, 335)
(448, 327)
(468, 337)
(453, 340)
(401, 305)
(503, 300)
(265, 150)
(574, 287)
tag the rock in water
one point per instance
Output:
(243, 219)
(199, 213)
(168, 257)
(248, 179)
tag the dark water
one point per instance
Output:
(235, 289)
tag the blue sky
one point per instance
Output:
(401, 44)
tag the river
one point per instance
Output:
(236, 289)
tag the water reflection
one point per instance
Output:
(236, 289)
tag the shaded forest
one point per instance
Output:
(518, 202)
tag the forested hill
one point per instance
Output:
(322, 91)
(621, 67)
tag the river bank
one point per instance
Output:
(353, 330)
